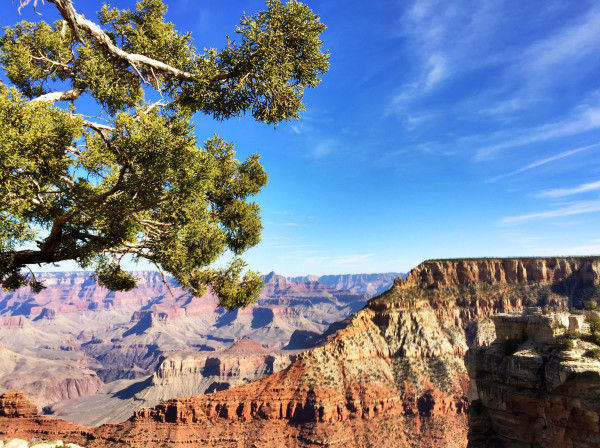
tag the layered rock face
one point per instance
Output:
(16, 404)
(393, 376)
(440, 273)
(178, 374)
(376, 379)
(245, 361)
(536, 396)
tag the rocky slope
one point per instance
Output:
(393, 376)
(525, 393)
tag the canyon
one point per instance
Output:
(392, 374)
(85, 353)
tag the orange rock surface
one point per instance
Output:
(15, 404)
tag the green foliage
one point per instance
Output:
(566, 341)
(564, 344)
(266, 72)
(594, 322)
(593, 353)
(591, 305)
(545, 311)
(137, 182)
(111, 276)
(571, 335)
(594, 338)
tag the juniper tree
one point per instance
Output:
(134, 180)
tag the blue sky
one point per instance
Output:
(443, 129)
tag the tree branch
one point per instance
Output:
(101, 197)
(51, 97)
(44, 58)
(95, 126)
(77, 22)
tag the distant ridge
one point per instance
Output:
(370, 284)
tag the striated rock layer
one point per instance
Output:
(15, 404)
(178, 374)
(393, 376)
(440, 273)
(75, 338)
(536, 396)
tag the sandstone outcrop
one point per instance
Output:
(16, 404)
(440, 273)
(525, 393)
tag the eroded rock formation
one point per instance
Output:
(527, 394)
(75, 336)
(16, 404)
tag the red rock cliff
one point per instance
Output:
(440, 273)
(15, 404)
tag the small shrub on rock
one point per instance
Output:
(564, 343)
(594, 321)
(593, 353)
(591, 305)
(595, 338)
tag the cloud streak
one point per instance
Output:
(588, 119)
(541, 162)
(577, 208)
(562, 192)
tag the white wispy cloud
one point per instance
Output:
(562, 192)
(541, 162)
(528, 75)
(444, 39)
(563, 49)
(452, 40)
(326, 257)
(586, 119)
(323, 148)
(284, 224)
(582, 249)
(576, 208)
(437, 66)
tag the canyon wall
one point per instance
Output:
(525, 393)
(177, 374)
(392, 376)
(441, 273)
